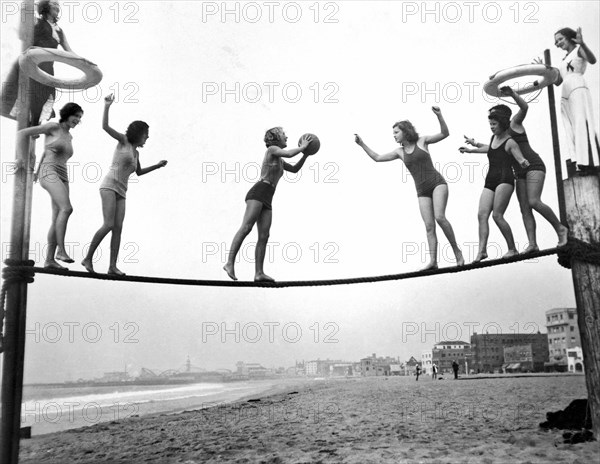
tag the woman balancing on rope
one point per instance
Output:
(499, 182)
(53, 176)
(114, 186)
(530, 180)
(576, 102)
(258, 199)
(432, 190)
(46, 34)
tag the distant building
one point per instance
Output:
(374, 366)
(426, 361)
(488, 350)
(563, 334)
(519, 358)
(575, 360)
(251, 370)
(321, 367)
(445, 353)
(341, 369)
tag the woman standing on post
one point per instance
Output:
(46, 34)
(114, 186)
(53, 177)
(576, 102)
(258, 200)
(432, 190)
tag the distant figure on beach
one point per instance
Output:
(499, 182)
(432, 189)
(433, 372)
(114, 186)
(455, 369)
(530, 180)
(418, 371)
(258, 199)
(577, 108)
(53, 177)
(47, 34)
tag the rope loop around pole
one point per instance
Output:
(578, 250)
(15, 272)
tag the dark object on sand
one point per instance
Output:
(576, 416)
(578, 437)
(25, 432)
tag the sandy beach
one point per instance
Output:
(356, 420)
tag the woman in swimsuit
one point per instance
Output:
(258, 199)
(432, 190)
(53, 177)
(530, 181)
(114, 186)
(499, 182)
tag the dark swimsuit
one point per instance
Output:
(263, 192)
(421, 168)
(270, 172)
(535, 162)
(500, 171)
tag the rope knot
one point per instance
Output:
(578, 250)
(16, 271)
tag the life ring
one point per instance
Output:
(548, 77)
(31, 58)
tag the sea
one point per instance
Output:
(54, 408)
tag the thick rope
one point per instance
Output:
(578, 250)
(292, 283)
(15, 272)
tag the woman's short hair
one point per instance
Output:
(44, 7)
(567, 32)
(501, 109)
(273, 136)
(70, 109)
(410, 133)
(502, 119)
(136, 130)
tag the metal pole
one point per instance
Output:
(556, 147)
(16, 298)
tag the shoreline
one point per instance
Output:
(56, 415)
(354, 420)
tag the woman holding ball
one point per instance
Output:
(258, 200)
(432, 189)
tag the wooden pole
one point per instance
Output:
(582, 194)
(16, 298)
(579, 204)
(556, 146)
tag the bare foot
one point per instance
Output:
(480, 256)
(460, 260)
(531, 249)
(115, 271)
(430, 267)
(563, 236)
(262, 277)
(64, 258)
(229, 269)
(54, 265)
(88, 265)
(510, 254)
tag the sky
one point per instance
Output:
(210, 78)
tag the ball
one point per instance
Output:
(313, 146)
